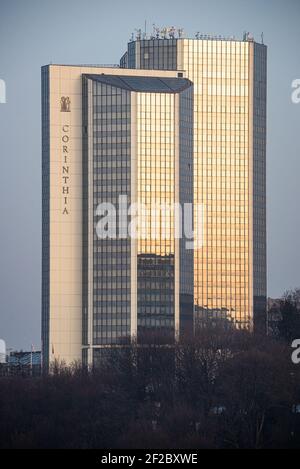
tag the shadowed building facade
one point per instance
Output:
(229, 78)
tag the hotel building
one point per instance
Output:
(180, 121)
(107, 134)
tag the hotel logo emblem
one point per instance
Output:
(65, 104)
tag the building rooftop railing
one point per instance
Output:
(88, 65)
(179, 33)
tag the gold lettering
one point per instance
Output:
(65, 168)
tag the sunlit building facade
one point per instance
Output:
(229, 78)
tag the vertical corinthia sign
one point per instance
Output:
(65, 106)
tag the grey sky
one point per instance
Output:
(36, 32)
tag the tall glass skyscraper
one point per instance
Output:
(229, 78)
(181, 121)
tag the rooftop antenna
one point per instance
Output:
(138, 34)
(262, 37)
(180, 32)
(155, 31)
(145, 33)
(172, 32)
(164, 33)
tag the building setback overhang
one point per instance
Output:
(143, 84)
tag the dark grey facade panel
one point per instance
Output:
(131, 62)
(158, 54)
(259, 187)
(111, 178)
(45, 92)
(186, 171)
(124, 60)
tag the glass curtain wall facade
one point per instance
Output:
(137, 134)
(157, 165)
(156, 185)
(229, 78)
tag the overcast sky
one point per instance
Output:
(37, 32)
